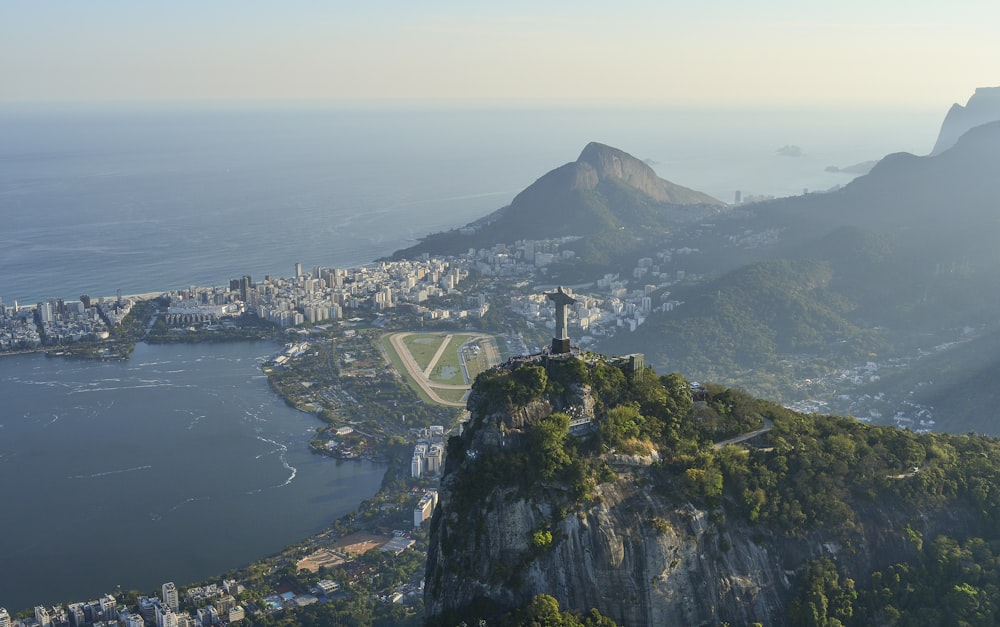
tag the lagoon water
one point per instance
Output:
(180, 463)
(174, 466)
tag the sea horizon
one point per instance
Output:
(102, 199)
(94, 202)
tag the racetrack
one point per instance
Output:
(421, 376)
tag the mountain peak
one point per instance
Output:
(612, 163)
(982, 107)
(606, 190)
(604, 158)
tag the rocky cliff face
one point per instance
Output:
(641, 558)
(635, 556)
(636, 549)
(610, 163)
(983, 107)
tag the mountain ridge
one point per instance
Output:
(604, 189)
(982, 107)
(908, 251)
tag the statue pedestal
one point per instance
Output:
(560, 346)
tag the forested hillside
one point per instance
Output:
(815, 519)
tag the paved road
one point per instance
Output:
(768, 425)
(437, 355)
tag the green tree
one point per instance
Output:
(547, 441)
(620, 424)
(821, 598)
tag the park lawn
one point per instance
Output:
(449, 363)
(423, 346)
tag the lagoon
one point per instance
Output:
(176, 465)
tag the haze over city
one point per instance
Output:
(277, 278)
(724, 54)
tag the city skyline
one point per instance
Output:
(729, 53)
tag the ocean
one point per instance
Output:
(95, 199)
(105, 469)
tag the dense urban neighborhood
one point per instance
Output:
(384, 356)
(336, 325)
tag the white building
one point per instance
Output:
(425, 508)
(170, 597)
(208, 615)
(42, 616)
(435, 458)
(326, 586)
(134, 620)
(78, 617)
(147, 607)
(165, 616)
(109, 607)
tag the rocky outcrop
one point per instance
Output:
(983, 107)
(635, 546)
(574, 199)
(636, 557)
(610, 163)
(604, 190)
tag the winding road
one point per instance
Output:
(768, 425)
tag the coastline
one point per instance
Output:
(390, 457)
(272, 435)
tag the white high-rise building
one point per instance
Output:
(435, 458)
(109, 607)
(42, 616)
(45, 311)
(77, 617)
(170, 598)
(165, 617)
(4, 617)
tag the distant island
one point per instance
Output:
(790, 150)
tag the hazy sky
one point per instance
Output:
(728, 52)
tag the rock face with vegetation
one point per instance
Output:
(604, 163)
(655, 512)
(605, 191)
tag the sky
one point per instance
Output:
(712, 52)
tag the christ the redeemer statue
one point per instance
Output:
(560, 343)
